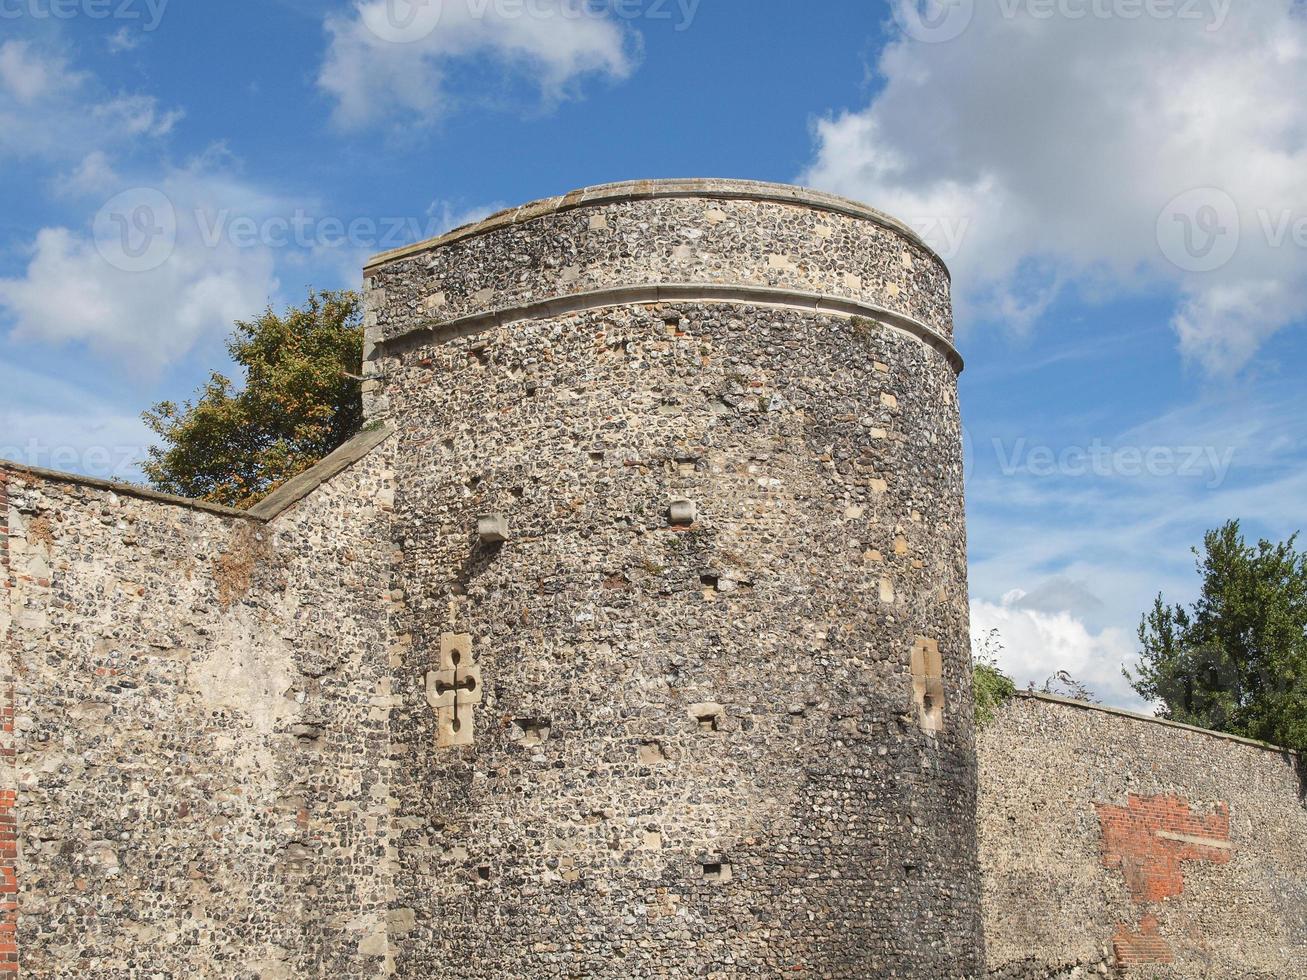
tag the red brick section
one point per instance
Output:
(8, 760)
(1149, 839)
(1143, 947)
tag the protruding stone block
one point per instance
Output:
(492, 528)
(683, 512)
(709, 715)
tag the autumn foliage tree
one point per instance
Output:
(299, 399)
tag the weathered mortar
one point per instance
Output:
(695, 749)
(1112, 842)
(201, 747)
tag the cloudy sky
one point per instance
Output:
(1120, 188)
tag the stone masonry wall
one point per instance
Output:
(634, 235)
(1112, 843)
(200, 754)
(691, 743)
(8, 772)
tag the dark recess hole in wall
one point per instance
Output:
(716, 871)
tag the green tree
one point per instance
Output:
(1236, 660)
(301, 398)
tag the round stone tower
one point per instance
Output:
(682, 676)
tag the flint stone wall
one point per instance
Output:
(697, 751)
(635, 234)
(717, 424)
(1115, 844)
(199, 745)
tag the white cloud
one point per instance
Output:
(54, 424)
(1052, 146)
(27, 75)
(123, 40)
(152, 278)
(1090, 551)
(446, 215)
(1036, 645)
(50, 110)
(94, 175)
(90, 284)
(137, 115)
(93, 441)
(391, 59)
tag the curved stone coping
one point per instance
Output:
(1153, 720)
(272, 506)
(643, 190)
(765, 296)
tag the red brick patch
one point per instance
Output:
(1149, 839)
(1142, 947)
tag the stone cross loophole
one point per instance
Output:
(454, 690)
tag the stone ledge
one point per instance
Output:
(1152, 720)
(707, 188)
(766, 296)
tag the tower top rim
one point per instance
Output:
(710, 188)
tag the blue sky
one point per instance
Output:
(1120, 188)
